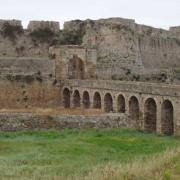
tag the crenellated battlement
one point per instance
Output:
(52, 25)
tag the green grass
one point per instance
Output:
(73, 153)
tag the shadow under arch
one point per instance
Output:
(167, 118)
(76, 69)
(150, 115)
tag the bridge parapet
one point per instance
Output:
(133, 87)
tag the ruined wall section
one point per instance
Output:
(115, 41)
(159, 49)
(128, 51)
(51, 25)
(175, 31)
(27, 82)
(63, 55)
(32, 42)
(27, 66)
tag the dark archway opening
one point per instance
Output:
(150, 115)
(66, 98)
(97, 101)
(76, 99)
(108, 103)
(167, 118)
(86, 100)
(76, 68)
(121, 104)
(134, 111)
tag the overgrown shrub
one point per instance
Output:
(71, 37)
(43, 35)
(11, 31)
(25, 78)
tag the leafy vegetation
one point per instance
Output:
(25, 78)
(43, 35)
(71, 37)
(77, 154)
(11, 31)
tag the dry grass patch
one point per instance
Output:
(53, 111)
(165, 166)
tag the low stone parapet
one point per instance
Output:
(30, 121)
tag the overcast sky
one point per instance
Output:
(157, 13)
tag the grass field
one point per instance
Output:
(88, 154)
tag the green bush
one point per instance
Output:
(43, 35)
(72, 38)
(10, 31)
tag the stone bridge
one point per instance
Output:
(148, 106)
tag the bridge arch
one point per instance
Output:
(167, 116)
(134, 110)
(86, 100)
(108, 103)
(150, 115)
(121, 104)
(97, 100)
(76, 99)
(66, 98)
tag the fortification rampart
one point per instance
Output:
(27, 82)
(51, 25)
(27, 66)
(42, 67)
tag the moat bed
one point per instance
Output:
(88, 154)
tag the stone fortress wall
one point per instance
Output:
(136, 49)
(124, 69)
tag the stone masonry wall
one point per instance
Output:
(63, 54)
(27, 66)
(32, 42)
(29, 121)
(28, 91)
(125, 48)
(27, 82)
(52, 25)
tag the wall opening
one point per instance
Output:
(150, 115)
(97, 101)
(86, 100)
(76, 68)
(66, 98)
(108, 103)
(76, 99)
(134, 111)
(167, 118)
(121, 104)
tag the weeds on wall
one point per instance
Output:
(71, 37)
(43, 35)
(25, 78)
(11, 31)
(74, 36)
